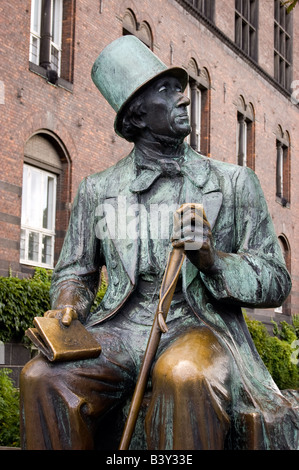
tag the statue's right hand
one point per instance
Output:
(66, 315)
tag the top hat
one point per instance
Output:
(124, 68)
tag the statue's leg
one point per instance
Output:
(190, 394)
(61, 403)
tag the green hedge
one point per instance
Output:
(9, 411)
(20, 301)
(23, 299)
(276, 351)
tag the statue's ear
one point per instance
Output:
(138, 120)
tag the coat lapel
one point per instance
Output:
(122, 215)
(201, 186)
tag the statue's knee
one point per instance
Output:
(177, 370)
(33, 372)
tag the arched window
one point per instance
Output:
(283, 167)
(198, 91)
(245, 134)
(285, 309)
(44, 160)
(141, 30)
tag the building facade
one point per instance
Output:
(243, 63)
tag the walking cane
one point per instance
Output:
(167, 289)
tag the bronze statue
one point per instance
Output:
(210, 389)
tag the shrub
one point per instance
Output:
(20, 301)
(276, 351)
(9, 411)
(23, 299)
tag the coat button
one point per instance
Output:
(113, 264)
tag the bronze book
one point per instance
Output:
(63, 343)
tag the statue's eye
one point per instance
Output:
(162, 88)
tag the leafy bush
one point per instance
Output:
(23, 299)
(9, 411)
(20, 301)
(276, 351)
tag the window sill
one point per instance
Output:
(41, 71)
(36, 264)
(283, 202)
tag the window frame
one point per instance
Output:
(54, 45)
(283, 45)
(283, 169)
(28, 227)
(245, 135)
(205, 7)
(246, 27)
(198, 92)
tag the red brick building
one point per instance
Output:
(56, 128)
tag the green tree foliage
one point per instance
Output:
(290, 4)
(20, 301)
(23, 299)
(9, 411)
(276, 351)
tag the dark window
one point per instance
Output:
(206, 7)
(283, 44)
(245, 135)
(283, 169)
(141, 30)
(52, 37)
(285, 308)
(246, 24)
(198, 91)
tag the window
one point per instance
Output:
(46, 33)
(246, 22)
(245, 135)
(141, 30)
(38, 217)
(283, 44)
(206, 7)
(198, 91)
(285, 308)
(46, 199)
(282, 168)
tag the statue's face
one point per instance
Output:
(165, 108)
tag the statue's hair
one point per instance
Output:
(130, 116)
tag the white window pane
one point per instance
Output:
(36, 188)
(47, 249)
(33, 246)
(36, 16)
(57, 22)
(34, 49)
(55, 58)
(38, 216)
(198, 117)
(48, 209)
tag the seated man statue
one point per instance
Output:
(210, 389)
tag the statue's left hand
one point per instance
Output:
(193, 231)
(66, 315)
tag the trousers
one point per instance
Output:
(62, 404)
